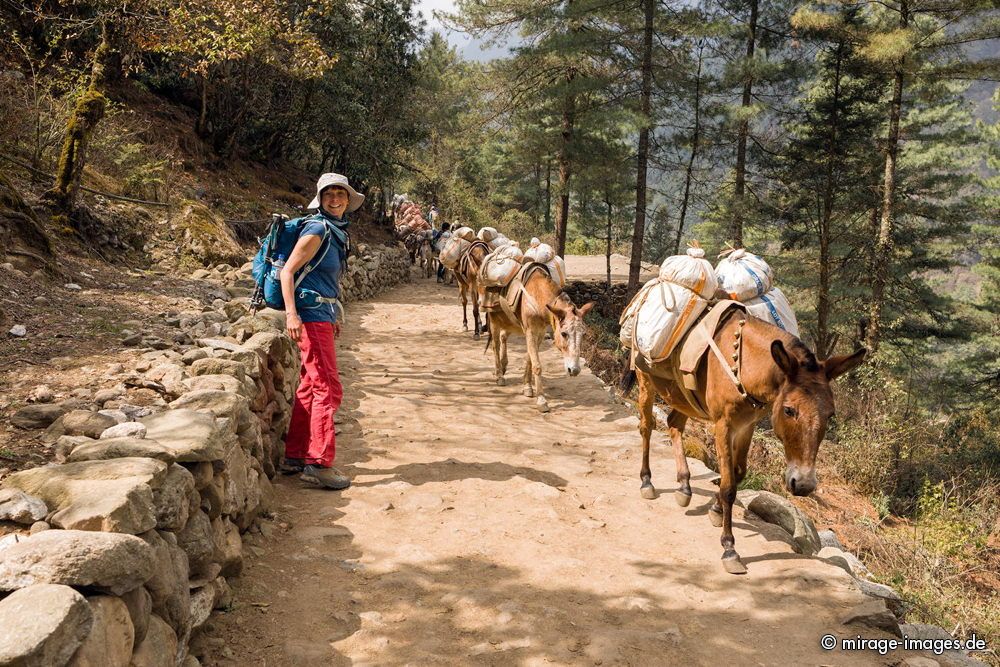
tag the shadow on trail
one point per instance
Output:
(450, 470)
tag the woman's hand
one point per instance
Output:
(294, 325)
(336, 329)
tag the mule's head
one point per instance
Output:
(568, 330)
(804, 406)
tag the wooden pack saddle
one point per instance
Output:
(508, 299)
(682, 366)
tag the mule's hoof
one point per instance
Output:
(543, 405)
(715, 518)
(648, 491)
(732, 563)
(501, 382)
(683, 499)
(529, 392)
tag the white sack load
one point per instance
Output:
(557, 269)
(692, 271)
(658, 317)
(500, 241)
(500, 267)
(487, 234)
(466, 233)
(541, 253)
(773, 307)
(744, 276)
(442, 241)
(453, 250)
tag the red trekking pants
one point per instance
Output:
(311, 431)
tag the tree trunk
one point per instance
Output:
(607, 254)
(568, 119)
(695, 139)
(884, 241)
(536, 209)
(736, 232)
(87, 113)
(548, 195)
(642, 160)
(823, 337)
(200, 126)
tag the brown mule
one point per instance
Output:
(778, 372)
(542, 304)
(467, 273)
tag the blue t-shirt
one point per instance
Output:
(324, 279)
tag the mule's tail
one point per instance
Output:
(627, 381)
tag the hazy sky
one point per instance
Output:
(469, 48)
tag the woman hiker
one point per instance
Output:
(313, 321)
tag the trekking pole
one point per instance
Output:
(257, 299)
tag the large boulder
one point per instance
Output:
(224, 404)
(19, 507)
(84, 422)
(217, 366)
(775, 509)
(228, 546)
(875, 615)
(111, 637)
(42, 625)
(158, 648)
(168, 587)
(140, 606)
(124, 429)
(112, 496)
(191, 435)
(172, 501)
(39, 415)
(203, 236)
(120, 448)
(109, 562)
(221, 383)
(197, 541)
(241, 488)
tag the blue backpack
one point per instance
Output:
(276, 247)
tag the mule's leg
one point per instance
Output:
(499, 367)
(647, 394)
(475, 310)
(727, 496)
(528, 390)
(534, 339)
(503, 351)
(465, 304)
(676, 421)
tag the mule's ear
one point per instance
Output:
(788, 364)
(557, 309)
(845, 363)
(585, 308)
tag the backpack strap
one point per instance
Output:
(318, 258)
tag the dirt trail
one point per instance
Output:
(479, 531)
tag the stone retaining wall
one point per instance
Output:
(116, 554)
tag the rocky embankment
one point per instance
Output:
(117, 553)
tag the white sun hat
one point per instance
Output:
(326, 180)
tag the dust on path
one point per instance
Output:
(479, 531)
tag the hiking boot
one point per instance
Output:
(329, 478)
(291, 466)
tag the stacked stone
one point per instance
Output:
(374, 270)
(609, 302)
(117, 553)
(149, 516)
